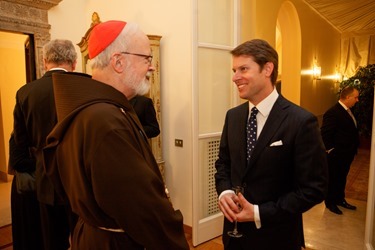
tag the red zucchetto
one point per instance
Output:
(102, 35)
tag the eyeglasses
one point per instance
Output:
(147, 57)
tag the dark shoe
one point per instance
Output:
(334, 209)
(347, 205)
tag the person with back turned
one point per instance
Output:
(34, 117)
(341, 139)
(272, 149)
(111, 178)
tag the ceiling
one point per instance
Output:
(347, 15)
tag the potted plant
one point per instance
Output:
(363, 80)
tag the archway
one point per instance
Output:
(288, 46)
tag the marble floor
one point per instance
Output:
(325, 230)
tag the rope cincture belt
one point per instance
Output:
(114, 230)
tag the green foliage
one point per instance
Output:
(363, 80)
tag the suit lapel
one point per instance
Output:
(272, 124)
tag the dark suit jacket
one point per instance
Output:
(339, 131)
(34, 118)
(145, 110)
(19, 158)
(284, 180)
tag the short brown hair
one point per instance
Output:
(347, 91)
(261, 52)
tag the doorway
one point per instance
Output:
(16, 58)
(17, 66)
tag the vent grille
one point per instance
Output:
(210, 151)
(213, 152)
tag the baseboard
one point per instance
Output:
(4, 177)
(6, 237)
(9, 225)
(188, 229)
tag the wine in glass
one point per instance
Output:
(234, 233)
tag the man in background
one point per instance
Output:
(144, 107)
(273, 150)
(341, 140)
(111, 178)
(34, 118)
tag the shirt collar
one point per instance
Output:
(266, 104)
(343, 105)
(58, 69)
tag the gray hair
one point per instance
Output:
(59, 51)
(122, 42)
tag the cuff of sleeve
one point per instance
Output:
(258, 224)
(226, 192)
(329, 150)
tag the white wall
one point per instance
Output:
(172, 20)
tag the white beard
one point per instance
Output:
(143, 87)
(140, 87)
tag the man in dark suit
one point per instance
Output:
(283, 173)
(144, 107)
(340, 135)
(34, 118)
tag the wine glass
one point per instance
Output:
(235, 233)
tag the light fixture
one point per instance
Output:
(317, 71)
(338, 77)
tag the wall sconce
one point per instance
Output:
(337, 77)
(317, 71)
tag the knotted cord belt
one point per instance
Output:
(114, 230)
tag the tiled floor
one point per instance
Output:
(323, 229)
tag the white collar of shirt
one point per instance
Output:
(264, 108)
(58, 69)
(266, 104)
(343, 105)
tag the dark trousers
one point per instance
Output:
(57, 224)
(339, 166)
(26, 230)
